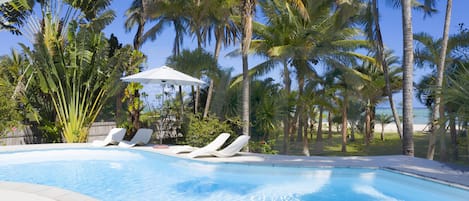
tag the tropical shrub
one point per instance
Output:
(199, 132)
(9, 116)
(75, 67)
(264, 147)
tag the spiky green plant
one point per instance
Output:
(77, 71)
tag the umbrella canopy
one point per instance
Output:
(163, 75)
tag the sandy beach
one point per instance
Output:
(393, 128)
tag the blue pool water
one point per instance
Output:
(121, 174)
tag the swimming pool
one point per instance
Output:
(122, 174)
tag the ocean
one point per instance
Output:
(421, 115)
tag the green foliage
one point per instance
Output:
(50, 132)
(13, 81)
(74, 67)
(265, 103)
(199, 132)
(384, 119)
(14, 14)
(131, 95)
(9, 116)
(264, 147)
(456, 92)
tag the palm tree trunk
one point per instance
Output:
(368, 124)
(454, 141)
(408, 61)
(344, 122)
(194, 99)
(380, 58)
(197, 98)
(139, 34)
(210, 88)
(382, 132)
(372, 120)
(319, 134)
(300, 108)
(305, 140)
(137, 44)
(209, 98)
(286, 118)
(246, 23)
(329, 121)
(438, 108)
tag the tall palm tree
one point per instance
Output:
(136, 16)
(373, 31)
(167, 13)
(195, 63)
(376, 87)
(225, 32)
(296, 49)
(408, 61)
(247, 12)
(438, 108)
(428, 53)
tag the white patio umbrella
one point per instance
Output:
(165, 76)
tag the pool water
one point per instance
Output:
(122, 174)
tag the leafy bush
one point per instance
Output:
(264, 147)
(199, 132)
(9, 116)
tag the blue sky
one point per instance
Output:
(157, 51)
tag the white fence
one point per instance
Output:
(30, 135)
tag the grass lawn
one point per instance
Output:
(391, 146)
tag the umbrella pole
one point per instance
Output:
(161, 117)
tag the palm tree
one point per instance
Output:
(264, 101)
(373, 31)
(247, 12)
(439, 129)
(383, 119)
(136, 16)
(455, 91)
(225, 32)
(14, 14)
(375, 89)
(16, 70)
(166, 13)
(297, 49)
(428, 54)
(196, 63)
(408, 61)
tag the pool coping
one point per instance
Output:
(448, 174)
(36, 192)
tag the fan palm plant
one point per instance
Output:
(383, 119)
(72, 64)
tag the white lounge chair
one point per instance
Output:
(212, 146)
(142, 137)
(228, 151)
(114, 136)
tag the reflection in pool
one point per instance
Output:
(118, 174)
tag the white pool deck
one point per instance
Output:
(446, 173)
